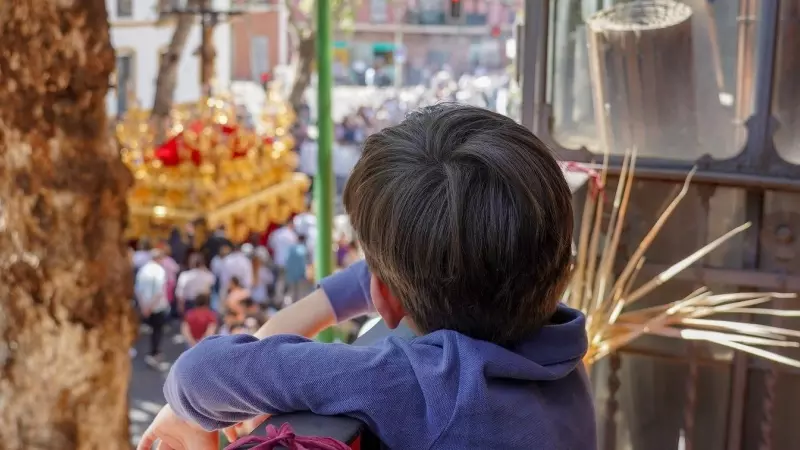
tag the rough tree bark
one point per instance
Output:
(167, 77)
(306, 54)
(65, 320)
(208, 58)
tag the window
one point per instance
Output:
(125, 9)
(431, 12)
(259, 56)
(677, 108)
(124, 82)
(378, 11)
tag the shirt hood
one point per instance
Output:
(549, 354)
(552, 352)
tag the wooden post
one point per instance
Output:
(642, 72)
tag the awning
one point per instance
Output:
(383, 47)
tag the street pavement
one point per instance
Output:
(144, 393)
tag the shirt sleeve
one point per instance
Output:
(348, 291)
(228, 379)
(146, 287)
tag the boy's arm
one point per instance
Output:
(341, 296)
(225, 380)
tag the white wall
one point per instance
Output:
(144, 39)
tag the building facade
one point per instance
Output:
(140, 36)
(421, 35)
(260, 38)
(426, 36)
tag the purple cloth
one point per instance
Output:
(442, 390)
(348, 291)
(285, 437)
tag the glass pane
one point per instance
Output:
(786, 94)
(124, 82)
(124, 8)
(259, 56)
(676, 87)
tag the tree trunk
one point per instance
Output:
(65, 320)
(168, 74)
(306, 54)
(208, 57)
(207, 52)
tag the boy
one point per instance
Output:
(465, 221)
(199, 322)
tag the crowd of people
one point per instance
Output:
(221, 286)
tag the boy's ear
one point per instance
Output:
(387, 305)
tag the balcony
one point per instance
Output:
(435, 22)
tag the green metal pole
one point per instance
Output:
(323, 184)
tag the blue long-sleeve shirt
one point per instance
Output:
(442, 390)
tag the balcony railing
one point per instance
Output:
(345, 429)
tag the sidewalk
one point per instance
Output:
(144, 393)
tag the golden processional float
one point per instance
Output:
(211, 170)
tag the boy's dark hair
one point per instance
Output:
(202, 300)
(236, 281)
(467, 218)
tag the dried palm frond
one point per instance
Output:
(612, 323)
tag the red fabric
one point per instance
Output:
(572, 166)
(199, 319)
(170, 152)
(286, 437)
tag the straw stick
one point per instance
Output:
(645, 244)
(719, 309)
(609, 327)
(749, 328)
(620, 210)
(722, 298)
(772, 356)
(676, 268)
(593, 249)
(766, 312)
(595, 232)
(632, 280)
(577, 294)
(704, 335)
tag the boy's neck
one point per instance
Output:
(407, 322)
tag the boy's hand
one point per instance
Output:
(244, 428)
(177, 434)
